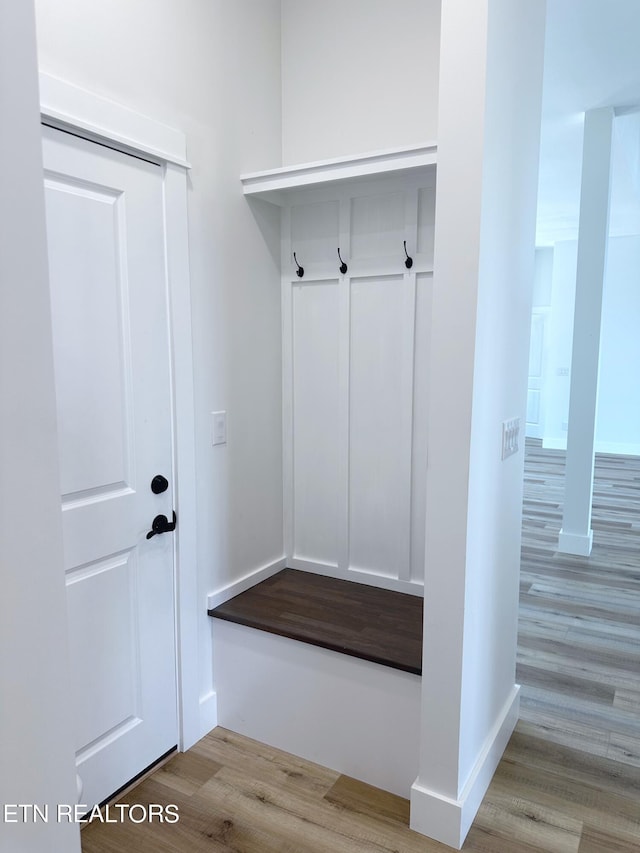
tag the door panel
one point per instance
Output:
(111, 359)
(535, 413)
(93, 391)
(99, 598)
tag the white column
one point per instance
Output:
(576, 536)
(491, 62)
(36, 739)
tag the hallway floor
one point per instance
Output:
(239, 796)
(569, 781)
(579, 642)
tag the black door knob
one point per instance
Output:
(161, 524)
(159, 484)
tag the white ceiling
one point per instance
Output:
(592, 59)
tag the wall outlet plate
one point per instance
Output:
(218, 428)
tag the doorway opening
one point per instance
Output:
(579, 631)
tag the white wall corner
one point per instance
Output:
(224, 593)
(37, 734)
(448, 820)
(208, 712)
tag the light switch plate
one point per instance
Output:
(510, 437)
(218, 428)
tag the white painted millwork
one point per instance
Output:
(315, 369)
(244, 583)
(438, 815)
(274, 185)
(540, 344)
(93, 117)
(380, 419)
(535, 388)
(576, 536)
(356, 362)
(96, 117)
(112, 371)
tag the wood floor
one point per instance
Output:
(579, 643)
(569, 781)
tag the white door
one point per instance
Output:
(111, 359)
(535, 390)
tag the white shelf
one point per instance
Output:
(273, 185)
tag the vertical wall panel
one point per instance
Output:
(380, 400)
(316, 489)
(424, 294)
(377, 225)
(314, 232)
(426, 221)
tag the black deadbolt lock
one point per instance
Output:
(159, 484)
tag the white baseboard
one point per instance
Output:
(357, 575)
(448, 820)
(208, 712)
(224, 593)
(615, 448)
(575, 543)
(611, 448)
(554, 443)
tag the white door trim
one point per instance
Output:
(93, 117)
(69, 107)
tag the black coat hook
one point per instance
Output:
(300, 270)
(343, 266)
(409, 262)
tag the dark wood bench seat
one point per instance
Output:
(351, 618)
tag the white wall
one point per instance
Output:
(35, 738)
(618, 414)
(618, 417)
(489, 124)
(358, 76)
(212, 69)
(506, 274)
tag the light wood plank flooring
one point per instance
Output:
(235, 794)
(569, 781)
(579, 643)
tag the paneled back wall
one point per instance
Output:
(355, 360)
